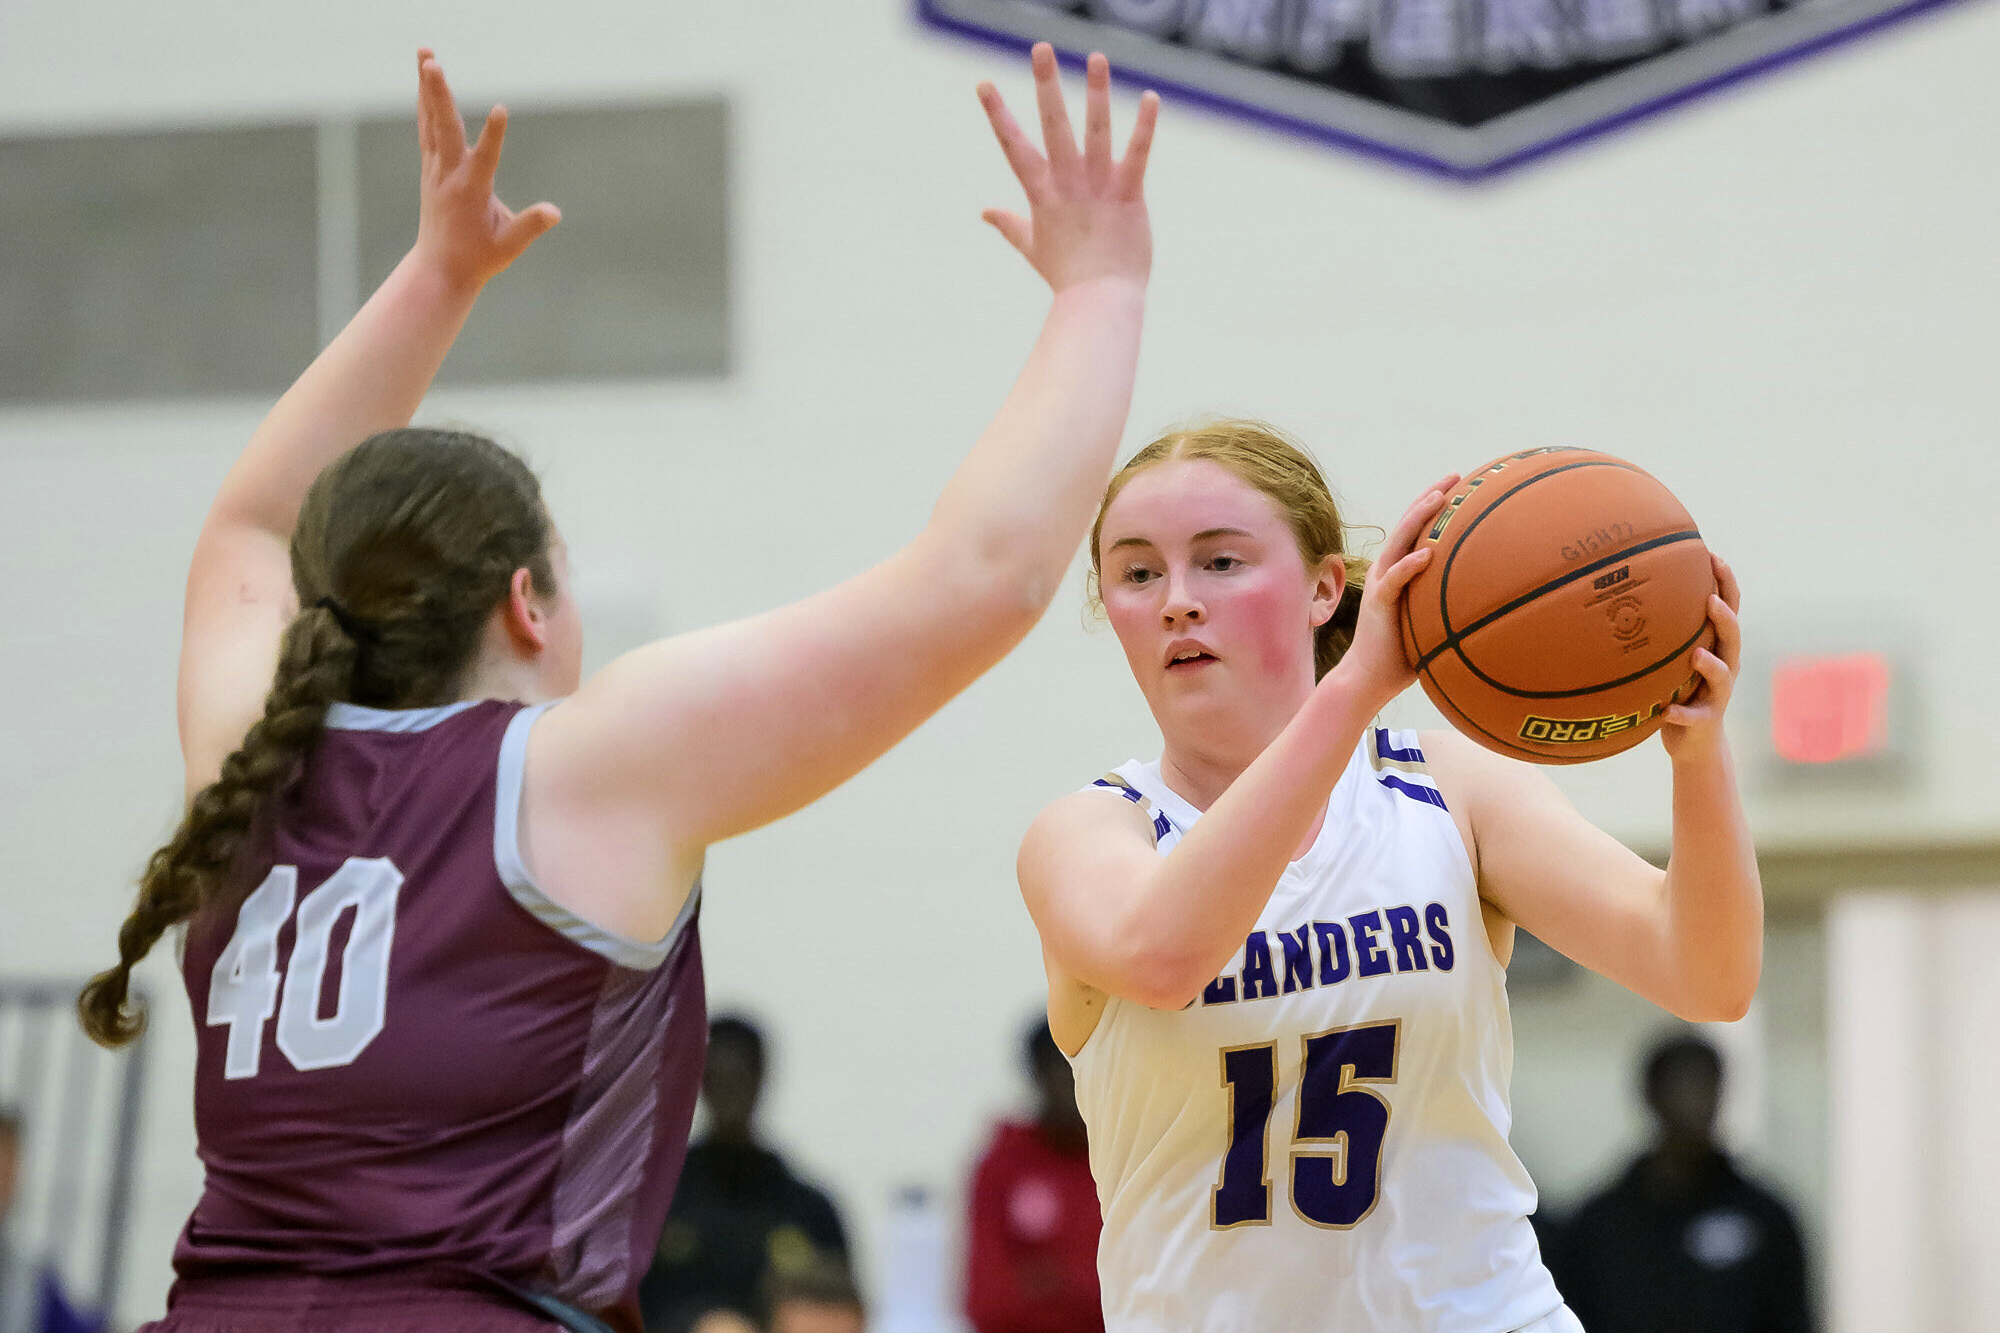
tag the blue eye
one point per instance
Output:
(1138, 574)
(1224, 562)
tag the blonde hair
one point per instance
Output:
(1264, 457)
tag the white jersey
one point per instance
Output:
(1320, 1140)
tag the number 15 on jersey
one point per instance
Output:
(1336, 1163)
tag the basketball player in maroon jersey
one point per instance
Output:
(441, 943)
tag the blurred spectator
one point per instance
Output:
(1031, 1238)
(1682, 1241)
(16, 1278)
(820, 1298)
(724, 1321)
(740, 1217)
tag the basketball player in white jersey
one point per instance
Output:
(1276, 955)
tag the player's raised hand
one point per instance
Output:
(1694, 729)
(464, 232)
(1087, 209)
(1376, 658)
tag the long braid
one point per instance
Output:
(195, 868)
(404, 547)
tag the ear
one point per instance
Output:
(1329, 586)
(526, 621)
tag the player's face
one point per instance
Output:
(1203, 582)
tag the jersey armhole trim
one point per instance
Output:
(1116, 784)
(521, 886)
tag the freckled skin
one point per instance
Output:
(1244, 594)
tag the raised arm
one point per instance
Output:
(1689, 938)
(691, 740)
(1116, 917)
(370, 378)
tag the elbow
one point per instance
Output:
(1014, 592)
(1164, 993)
(1005, 573)
(1711, 1011)
(1721, 1000)
(1734, 1004)
(996, 596)
(1163, 976)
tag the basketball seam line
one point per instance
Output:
(1588, 689)
(1458, 543)
(1455, 637)
(1498, 739)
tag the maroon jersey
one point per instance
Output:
(411, 1062)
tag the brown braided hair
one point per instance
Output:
(1268, 459)
(404, 546)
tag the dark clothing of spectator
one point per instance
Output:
(1683, 1247)
(739, 1215)
(1031, 1252)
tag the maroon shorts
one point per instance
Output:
(299, 1304)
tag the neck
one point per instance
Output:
(1199, 761)
(1200, 777)
(504, 678)
(504, 669)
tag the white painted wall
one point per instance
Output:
(1781, 301)
(1914, 1001)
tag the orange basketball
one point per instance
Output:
(1561, 611)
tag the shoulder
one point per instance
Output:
(1484, 784)
(1106, 805)
(1080, 838)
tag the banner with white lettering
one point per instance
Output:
(1467, 88)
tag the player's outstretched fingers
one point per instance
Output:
(1020, 233)
(1058, 139)
(1028, 165)
(486, 153)
(1097, 117)
(447, 131)
(527, 228)
(424, 128)
(1132, 170)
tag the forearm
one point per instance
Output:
(369, 378)
(1195, 910)
(1714, 896)
(1011, 514)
